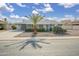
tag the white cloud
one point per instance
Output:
(24, 18)
(6, 7)
(21, 5)
(2, 16)
(77, 10)
(52, 18)
(14, 16)
(67, 5)
(35, 12)
(68, 17)
(36, 3)
(47, 8)
(17, 16)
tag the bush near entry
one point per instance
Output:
(28, 30)
(1, 27)
(58, 30)
(38, 30)
(13, 27)
(41, 30)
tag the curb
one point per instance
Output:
(47, 38)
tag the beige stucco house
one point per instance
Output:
(70, 25)
(45, 24)
(3, 24)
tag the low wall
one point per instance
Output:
(74, 27)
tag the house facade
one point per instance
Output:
(70, 25)
(43, 24)
(3, 25)
(48, 24)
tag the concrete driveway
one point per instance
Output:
(8, 34)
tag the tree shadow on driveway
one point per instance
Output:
(33, 42)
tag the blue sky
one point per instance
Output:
(49, 10)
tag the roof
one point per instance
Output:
(2, 22)
(40, 22)
(66, 22)
(75, 22)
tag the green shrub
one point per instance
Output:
(38, 30)
(50, 29)
(58, 30)
(1, 28)
(13, 27)
(28, 30)
(41, 30)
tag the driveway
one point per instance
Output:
(50, 34)
(8, 34)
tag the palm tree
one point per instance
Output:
(33, 41)
(6, 24)
(35, 18)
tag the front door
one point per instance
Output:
(23, 27)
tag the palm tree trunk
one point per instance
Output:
(34, 29)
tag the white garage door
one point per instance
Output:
(76, 27)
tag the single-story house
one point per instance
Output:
(75, 25)
(70, 25)
(3, 25)
(45, 24)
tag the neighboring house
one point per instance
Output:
(75, 25)
(45, 24)
(66, 24)
(70, 25)
(3, 25)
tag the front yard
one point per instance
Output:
(49, 34)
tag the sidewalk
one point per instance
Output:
(8, 35)
(46, 38)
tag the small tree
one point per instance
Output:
(13, 27)
(35, 18)
(6, 23)
(58, 30)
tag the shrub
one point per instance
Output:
(41, 30)
(13, 27)
(58, 30)
(1, 28)
(50, 29)
(38, 30)
(28, 30)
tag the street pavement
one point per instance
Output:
(58, 46)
